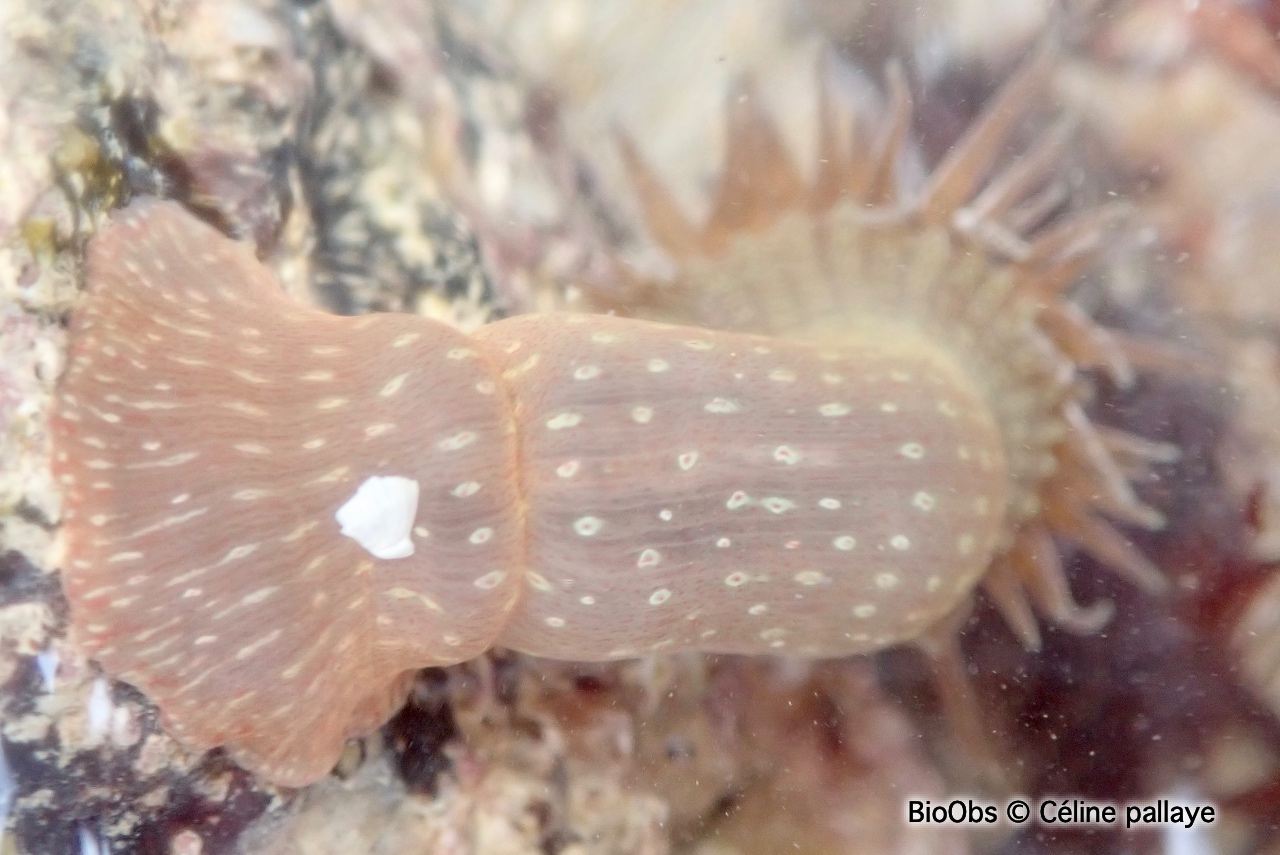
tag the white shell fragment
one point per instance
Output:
(380, 516)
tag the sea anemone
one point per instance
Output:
(274, 515)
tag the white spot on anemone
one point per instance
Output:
(490, 580)
(777, 504)
(722, 406)
(588, 526)
(458, 441)
(786, 454)
(560, 421)
(912, 450)
(380, 515)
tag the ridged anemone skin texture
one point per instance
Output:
(851, 414)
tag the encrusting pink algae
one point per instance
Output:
(851, 411)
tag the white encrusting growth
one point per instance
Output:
(380, 515)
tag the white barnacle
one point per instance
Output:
(380, 515)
